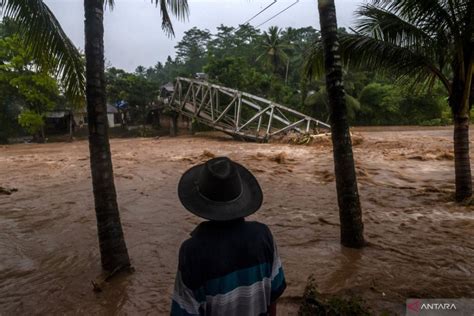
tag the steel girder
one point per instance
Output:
(238, 113)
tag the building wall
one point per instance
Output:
(110, 118)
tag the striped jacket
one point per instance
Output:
(230, 268)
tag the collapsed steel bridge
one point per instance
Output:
(238, 113)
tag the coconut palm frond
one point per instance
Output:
(366, 53)
(110, 3)
(430, 14)
(387, 26)
(48, 43)
(466, 13)
(274, 48)
(178, 8)
(313, 66)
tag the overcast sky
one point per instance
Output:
(133, 34)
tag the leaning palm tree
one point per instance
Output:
(420, 41)
(350, 213)
(52, 48)
(274, 48)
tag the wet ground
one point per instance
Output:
(420, 242)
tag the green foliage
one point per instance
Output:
(134, 88)
(138, 90)
(243, 58)
(192, 49)
(385, 104)
(47, 44)
(38, 89)
(317, 104)
(237, 73)
(418, 43)
(32, 122)
(379, 104)
(24, 86)
(256, 63)
(274, 50)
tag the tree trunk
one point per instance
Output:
(462, 162)
(42, 135)
(113, 251)
(350, 212)
(71, 118)
(459, 101)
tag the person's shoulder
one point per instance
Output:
(257, 225)
(189, 245)
(259, 228)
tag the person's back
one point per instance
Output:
(229, 266)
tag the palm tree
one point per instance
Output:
(350, 213)
(114, 254)
(52, 48)
(274, 49)
(421, 42)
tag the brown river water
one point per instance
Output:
(421, 244)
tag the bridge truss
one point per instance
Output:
(238, 113)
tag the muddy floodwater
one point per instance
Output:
(421, 244)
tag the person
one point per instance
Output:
(229, 266)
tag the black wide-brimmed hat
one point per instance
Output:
(220, 190)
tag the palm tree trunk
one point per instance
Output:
(459, 101)
(462, 163)
(350, 212)
(113, 251)
(71, 118)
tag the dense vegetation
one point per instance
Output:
(27, 91)
(270, 64)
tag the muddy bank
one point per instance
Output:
(421, 243)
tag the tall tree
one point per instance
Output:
(350, 212)
(420, 42)
(274, 49)
(192, 49)
(114, 254)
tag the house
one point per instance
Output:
(113, 116)
(58, 121)
(167, 90)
